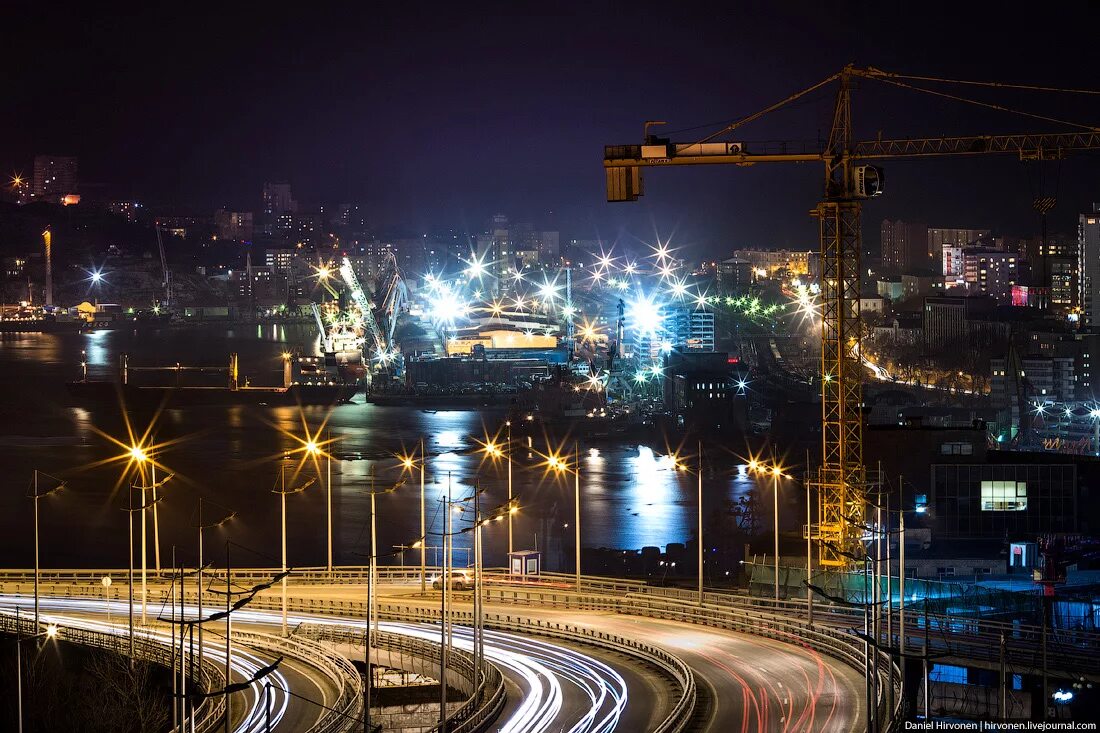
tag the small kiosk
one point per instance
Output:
(525, 563)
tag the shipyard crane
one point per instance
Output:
(851, 176)
(166, 283)
(395, 294)
(363, 304)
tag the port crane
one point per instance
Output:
(166, 282)
(364, 324)
(851, 176)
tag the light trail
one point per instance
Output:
(244, 663)
(544, 668)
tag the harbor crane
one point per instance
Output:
(166, 283)
(366, 324)
(851, 177)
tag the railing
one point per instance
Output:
(207, 716)
(677, 671)
(834, 643)
(346, 711)
(475, 714)
(964, 637)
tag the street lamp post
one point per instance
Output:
(36, 495)
(313, 449)
(508, 458)
(699, 509)
(445, 581)
(130, 511)
(776, 472)
(328, 504)
(577, 511)
(200, 526)
(282, 491)
(130, 576)
(423, 530)
(50, 632)
(557, 464)
(775, 514)
(809, 554)
(139, 455)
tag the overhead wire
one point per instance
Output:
(872, 72)
(988, 105)
(771, 108)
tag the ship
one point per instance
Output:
(307, 381)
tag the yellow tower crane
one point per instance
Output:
(850, 177)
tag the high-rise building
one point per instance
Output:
(940, 241)
(54, 177)
(991, 272)
(1064, 288)
(277, 200)
(951, 321)
(905, 247)
(233, 224)
(769, 262)
(734, 275)
(124, 208)
(279, 259)
(1088, 268)
(693, 328)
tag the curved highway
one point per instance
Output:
(749, 684)
(552, 687)
(753, 684)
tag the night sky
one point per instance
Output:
(444, 115)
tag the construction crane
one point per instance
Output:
(166, 283)
(850, 178)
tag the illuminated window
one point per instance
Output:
(1004, 496)
(948, 673)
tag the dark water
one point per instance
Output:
(630, 495)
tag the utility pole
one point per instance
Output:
(577, 511)
(228, 632)
(328, 501)
(508, 460)
(445, 581)
(1004, 682)
(699, 503)
(809, 546)
(423, 530)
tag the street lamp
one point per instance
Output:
(313, 450)
(408, 463)
(505, 510)
(35, 496)
(554, 462)
(130, 511)
(372, 581)
(139, 455)
(50, 633)
(200, 526)
(496, 451)
(282, 491)
(776, 472)
(372, 598)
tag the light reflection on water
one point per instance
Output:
(631, 495)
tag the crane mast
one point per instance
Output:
(848, 181)
(166, 282)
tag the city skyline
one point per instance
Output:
(598, 367)
(450, 117)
